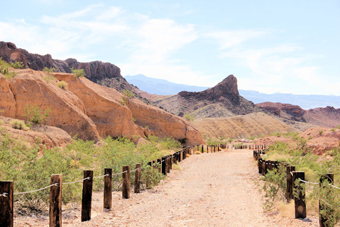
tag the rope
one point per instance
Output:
(21, 193)
(73, 182)
(119, 173)
(105, 175)
(307, 182)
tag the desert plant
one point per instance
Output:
(189, 117)
(18, 124)
(4, 70)
(333, 129)
(62, 84)
(35, 115)
(78, 72)
(320, 132)
(17, 65)
(230, 140)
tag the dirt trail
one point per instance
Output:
(215, 189)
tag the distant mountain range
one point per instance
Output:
(164, 87)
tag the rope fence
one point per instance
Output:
(164, 165)
(291, 176)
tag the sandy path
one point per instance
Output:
(215, 189)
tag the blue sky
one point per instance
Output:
(270, 46)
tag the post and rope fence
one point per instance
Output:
(292, 177)
(56, 182)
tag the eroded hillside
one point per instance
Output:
(253, 124)
(87, 109)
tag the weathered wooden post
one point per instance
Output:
(168, 163)
(137, 177)
(87, 195)
(171, 160)
(55, 211)
(126, 182)
(164, 171)
(329, 178)
(107, 188)
(300, 203)
(6, 203)
(289, 191)
(259, 163)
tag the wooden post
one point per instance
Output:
(329, 178)
(259, 163)
(87, 195)
(300, 203)
(289, 191)
(126, 182)
(167, 164)
(108, 188)
(164, 171)
(55, 201)
(6, 203)
(137, 177)
(171, 160)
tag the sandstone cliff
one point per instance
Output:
(223, 100)
(87, 109)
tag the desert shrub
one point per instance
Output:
(4, 70)
(314, 167)
(62, 84)
(35, 114)
(333, 129)
(251, 138)
(48, 76)
(151, 176)
(128, 93)
(338, 126)
(320, 132)
(78, 72)
(17, 65)
(189, 117)
(18, 124)
(230, 140)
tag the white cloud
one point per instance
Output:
(228, 39)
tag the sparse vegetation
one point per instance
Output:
(333, 129)
(4, 70)
(314, 166)
(22, 164)
(35, 115)
(18, 124)
(49, 77)
(17, 65)
(127, 95)
(78, 73)
(189, 117)
(62, 84)
(338, 127)
(320, 132)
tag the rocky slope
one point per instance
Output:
(223, 100)
(254, 124)
(87, 109)
(106, 74)
(324, 117)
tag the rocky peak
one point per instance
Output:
(226, 86)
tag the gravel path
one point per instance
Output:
(215, 189)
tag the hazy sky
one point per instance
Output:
(289, 46)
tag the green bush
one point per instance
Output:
(17, 65)
(35, 114)
(189, 117)
(78, 73)
(18, 124)
(62, 84)
(4, 70)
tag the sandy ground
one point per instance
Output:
(215, 189)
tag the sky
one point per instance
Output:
(289, 46)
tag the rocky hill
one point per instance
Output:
(106, 74)
(223, 100)
(324, 117)
(87, 109)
